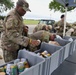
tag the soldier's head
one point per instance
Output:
(62, 17)
(52, 37)
(22, 7)
(47, 27)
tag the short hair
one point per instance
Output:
(44, 27)
(62, 16)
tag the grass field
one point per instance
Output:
(31, 22)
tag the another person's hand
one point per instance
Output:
(34, 42)
(57, 27)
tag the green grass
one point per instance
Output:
(31, 22)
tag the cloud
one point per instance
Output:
(40, 9)
(15, 1)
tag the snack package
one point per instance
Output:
(54, 43)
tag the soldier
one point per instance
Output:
(43, 36)
(59, 26)
(42, 27)
(47, 28)
(1, 25)
(12, 38)
(38, 27)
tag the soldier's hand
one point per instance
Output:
(57, 27)
(34, 42)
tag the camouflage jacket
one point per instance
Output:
(1, 25)
(38, 27)
(42, 27)
(74, 27)
(12, 35)
(59, 27)
(41, 35)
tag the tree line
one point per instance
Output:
(53, 5)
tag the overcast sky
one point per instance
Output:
(40, 9)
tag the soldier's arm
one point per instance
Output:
(56, 26)
(68, 26)
(13, 35)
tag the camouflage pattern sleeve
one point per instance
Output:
(68, 26)
(41, 35)
(38, 28)
(1, 25)
(14, 32)
(19, 39)
(56, 26)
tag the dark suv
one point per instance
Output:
(47, 22)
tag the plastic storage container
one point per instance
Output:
(73, 44)
(66, 47)
(53, 61)
(35, 62)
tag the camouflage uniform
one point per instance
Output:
(74, 27)
(59, 27)
(42, 27)
(12, 36)
(37, 28)
(1, 26)
(41, 35)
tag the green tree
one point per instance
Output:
(58, 7)
(6, 4)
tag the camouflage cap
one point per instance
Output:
(24, 4)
